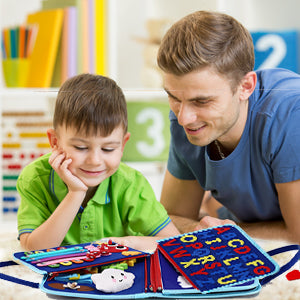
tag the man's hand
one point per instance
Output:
(208, 221)
(60, 163)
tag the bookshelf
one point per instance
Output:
(126, 21)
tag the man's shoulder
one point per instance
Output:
(277, 82)
(277, 92)
(274, 74)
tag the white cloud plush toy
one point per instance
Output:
(113, 280)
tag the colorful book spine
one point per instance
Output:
(72, 41)
(44, 53)
(79, 30)
(69, 44)
(91, 27)
(64, 38)
(101, 36)
(85, 36)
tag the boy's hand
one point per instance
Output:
(60, 163)
(141, 243)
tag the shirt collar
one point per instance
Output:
(59, 189)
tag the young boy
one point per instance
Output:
(81, 192)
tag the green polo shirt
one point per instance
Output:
(124, 204)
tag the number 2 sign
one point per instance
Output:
(148, 123)
(276, 49)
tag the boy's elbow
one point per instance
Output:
(25, 242)
(169, 230)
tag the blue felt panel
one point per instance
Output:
(217, 257)
(96, 255)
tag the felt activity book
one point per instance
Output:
(218, 262)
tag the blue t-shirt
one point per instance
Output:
(268, 151)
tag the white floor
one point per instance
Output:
(8, 224)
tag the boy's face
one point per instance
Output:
(94, 158)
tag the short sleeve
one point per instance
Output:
(33, 209)
(284, 145)
(179, 146)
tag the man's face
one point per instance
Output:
(205, 106)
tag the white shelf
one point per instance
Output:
(17, 92)
(130, 94)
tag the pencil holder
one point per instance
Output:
(15, 72)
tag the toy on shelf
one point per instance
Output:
(24, 139)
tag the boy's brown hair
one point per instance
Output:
(93, 104)
(204, 39)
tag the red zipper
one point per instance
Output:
(155, 273)
(51, 275)
(146, 275)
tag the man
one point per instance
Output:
(234, 132)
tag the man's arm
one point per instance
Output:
(267, 230)
(182, 200)
(270, 230)
(289, 201)
(288, 229)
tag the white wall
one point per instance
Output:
(254, 14)
(177, 9)
(14, 12)
(264, 14)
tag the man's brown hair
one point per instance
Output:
(93, 104)
(204, 39)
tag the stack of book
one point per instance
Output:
(70, 39)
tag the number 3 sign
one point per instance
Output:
(276, 49)
(148, 123)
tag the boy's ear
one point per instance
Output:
(125, 140)
(52, 137)
(248, 85)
